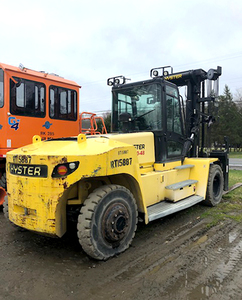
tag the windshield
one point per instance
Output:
(137, 108)
(1, 88)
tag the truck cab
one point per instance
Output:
(152, 106)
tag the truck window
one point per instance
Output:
(1, 88)
(63, 103)
(173, 111)
(27, 98)
(142, 104)
(174, 122)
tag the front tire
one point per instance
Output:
(215, 186)
(107, 221)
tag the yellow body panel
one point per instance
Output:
(166, 166)
(144, 144)
(200, 172)
(39, 204)
(153, 183)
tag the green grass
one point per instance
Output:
(231, 204)
(235, 176)
(235, 154)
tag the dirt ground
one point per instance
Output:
(174, 258)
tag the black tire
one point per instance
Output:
(5, 207)
(3, 181)
(107, 222)
(215, 186)
(3, 186)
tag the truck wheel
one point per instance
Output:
(215, 186)
(3, 188)
(107, 221)
(5, 207)
(3, 181)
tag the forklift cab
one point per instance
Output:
(153, 106)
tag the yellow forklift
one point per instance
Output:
(154, 163)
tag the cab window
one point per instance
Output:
(27, 98)
(174, 122)
(63, 103)
(173, 111)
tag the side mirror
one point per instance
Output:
(150, 100)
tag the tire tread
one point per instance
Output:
(85, 220)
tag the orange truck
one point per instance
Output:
(33, 103)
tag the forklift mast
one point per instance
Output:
(195, 117)
(194, 81)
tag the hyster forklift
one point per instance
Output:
(153, 164)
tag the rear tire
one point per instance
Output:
(3, 180)
(107, 222)
(5, 207)
(3, 186)
(215, 186)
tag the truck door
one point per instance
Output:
(3, 114)
(174, 137)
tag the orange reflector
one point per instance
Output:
(62, 170)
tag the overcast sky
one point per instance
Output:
(89, 41)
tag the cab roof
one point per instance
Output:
(39, 74)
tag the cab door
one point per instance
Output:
(4, 142)
(174, 128)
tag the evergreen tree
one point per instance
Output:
(228, 121)
(107, 122)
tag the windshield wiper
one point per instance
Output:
(136, 118)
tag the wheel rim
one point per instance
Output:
(115, 223)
